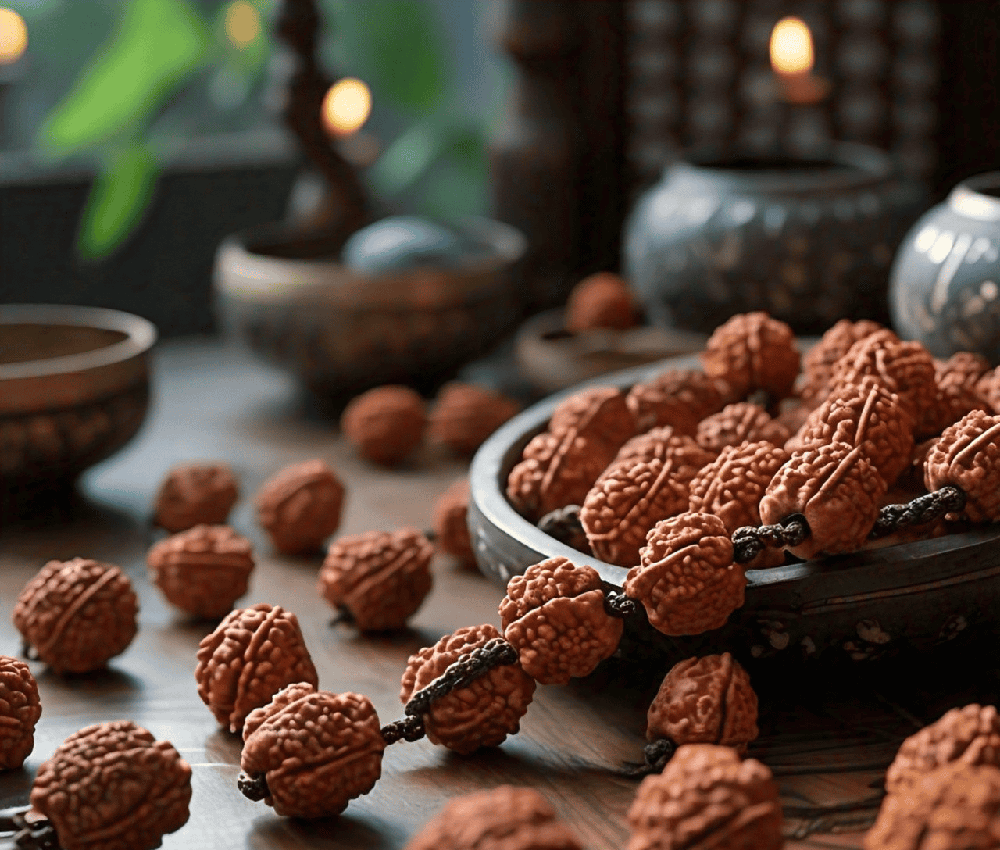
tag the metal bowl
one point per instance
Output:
(340, 331)
(859, 606)
(74, 388)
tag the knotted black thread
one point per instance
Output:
(919, 511)
(619, 605)
(253, 786)
(656, 755)
(564, 525)
(751, 540)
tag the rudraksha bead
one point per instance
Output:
(554, 616)
(300, 507)
(77, 614)
(464, 415)
(963, 367)
(503, 817)
(867, 415)
(968, 456)
(316, 750)
(625, 503)
(906, 368)
(952, 400)
(678, 398)
(954, 807)
(732, 485)
(753, 351)
(481, 714)
(601, 300)
(203, 570)
(556, 470)
(599, 414)
(112, 786)
(818, 362)
(687, 580)
(195, 494)
(738, 423)
(385, 424)
(252, 654)
(380, 577)
(20, 709)
(706, 798)
(449, 520)
(706, 700)
(988, 386)
(838, 491)
(970, 735)
(664, 442)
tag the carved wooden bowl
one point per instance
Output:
(74, 388)
(864, 605)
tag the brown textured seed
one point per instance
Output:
(380, 577)
(626, 502)
(954, 807)
(707, 799)
(738, 423)
(464, 415)
(77, 614)
(300, 506)
(963, 367)
(194, 494)
(600, 414)
(601, 300)
(732, 485)
(753, 351)
(484, 712)
(952, 400)
(838, 491)
(556, 470)
(706, 700)
(687, 580)
(906, 368)
(970, 734)
(968, 456)
(503, 818)
(554, 617)
(252, 654)
(449, 520)
(20, 709)
(680, 398)
(664, 442)
(317, 750)
(203, 570)
(817, 364)
(113, 786)
(867, 415)
(385, 424)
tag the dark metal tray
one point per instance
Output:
(859, 606)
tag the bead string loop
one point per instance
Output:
(919, 511)
(34, 834)
(749, 541)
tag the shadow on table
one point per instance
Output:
(345, 830)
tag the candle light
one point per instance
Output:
(346, 107)
(792, 60)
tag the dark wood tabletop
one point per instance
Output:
(828, 736)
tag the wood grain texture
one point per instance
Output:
(828, 737)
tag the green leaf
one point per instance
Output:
(159, 44)
(407, 159)
(117, 200)
(396, 47)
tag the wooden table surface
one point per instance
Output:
(828, 735)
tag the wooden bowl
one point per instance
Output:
(858, 606)
(74, 388)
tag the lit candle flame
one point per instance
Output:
(791, 47)
(346, 106)
(13, 36)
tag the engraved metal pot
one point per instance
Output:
(945, 282)
(809, 241)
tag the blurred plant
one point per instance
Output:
(132, 101)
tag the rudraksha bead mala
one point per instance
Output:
(77, 615)
(195, 494)
(252, 654)
(378, 579)
(300, 507)
(385, 424)
(20, 709)
(203, 570)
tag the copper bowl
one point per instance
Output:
(74, 388)
(859, 606)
